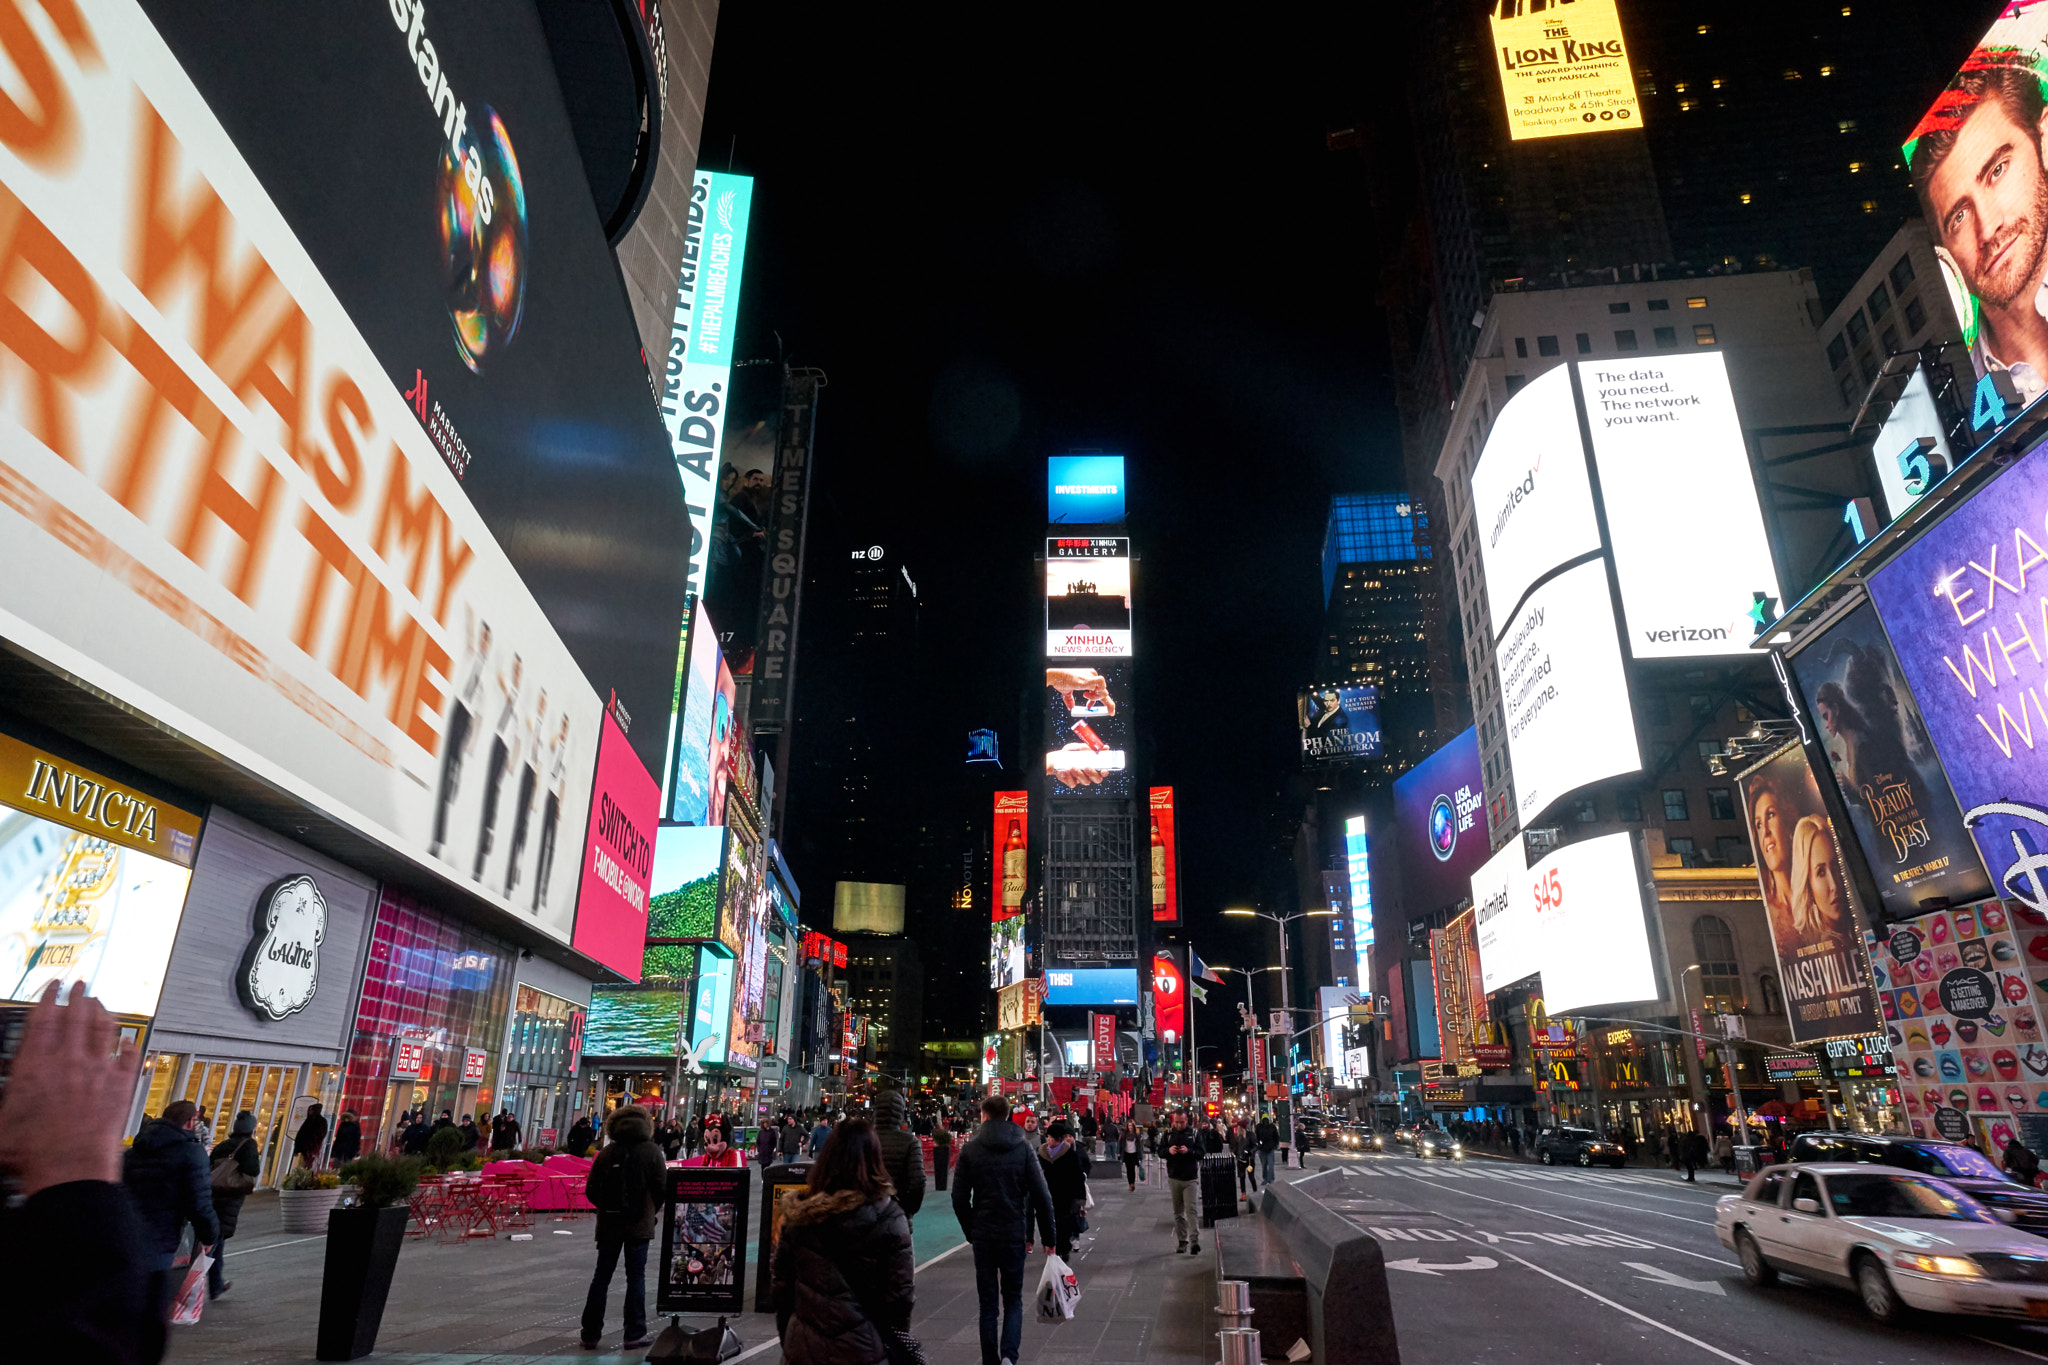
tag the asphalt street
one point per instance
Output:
(1496, 1261)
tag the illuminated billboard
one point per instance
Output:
(1087, 730)
(1338, 722)
(1816, 927)
(618, 861)
(1690, 562)
(711, 1012)
(1169, 995)
(1006, 953)
(1563, 67)
(1440, 824)
(1969, 642)
(1576, 917)
(1564, 689)
(1091, 985)
(1358, 867)
(1165, 858)
(1531, 494)
(1012, 854)
(1911, 451)
(1088, 597)
(1084, 490)
(700, 349)
(689, 784)
(1500, 905)
(1990, 247)
(1017, 1005)
(867, 907)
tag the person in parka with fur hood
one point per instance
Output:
(842, 1271)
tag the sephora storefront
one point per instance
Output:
(260, 999)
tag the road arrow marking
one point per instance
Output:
(1415, 1265)
(1661, 1276)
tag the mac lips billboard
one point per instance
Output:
(1972, 642)
(1084, 490)
(618, 862)
(1900, 808)
(1440, 820)
(1165, 858)
(1088, 597)
(1816, 931)
(1563, 68)
(240, 523)
(420, 162)
(1993, 102)
(1689, 573)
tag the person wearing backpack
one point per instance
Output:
(236, 1164)
(625, 1186)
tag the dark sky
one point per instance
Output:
(1003, 243)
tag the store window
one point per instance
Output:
(1713, 945)
(441, 988)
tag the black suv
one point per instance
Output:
(1581, 1146)
(1963, 1167)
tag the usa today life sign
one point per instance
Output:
(1966, 607)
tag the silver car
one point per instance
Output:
(1899, 1239)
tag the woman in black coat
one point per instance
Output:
(348, 1139)
(1066, 1182)
(227, 1200)
(842, 1272)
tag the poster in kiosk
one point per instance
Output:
(704, 1240)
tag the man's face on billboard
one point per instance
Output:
(1989, 200)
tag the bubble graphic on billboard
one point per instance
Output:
(482, 225)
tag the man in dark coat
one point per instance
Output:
(789, 1142)
(311, 1137)
(1268, 1135)
(1181, 1147)
(505, 1132)
(1692, 1151)
(581, 1134)
(413, 1142)
(902, 1153)
(999, 1195)
(625, 1185)
(167, 1172)
(942, 1154)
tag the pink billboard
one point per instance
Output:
(618, 857)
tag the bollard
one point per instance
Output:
(1234, 1298)
(1240, 1346)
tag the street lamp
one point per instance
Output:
(1286, 1004)
(1252, 1018)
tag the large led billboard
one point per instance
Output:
(1564, 689)
(1088, 597)
(299, 533)
(1084, 490)
(1012, 854)
(698, 390)
(618, 862)
(1577, 917)
(1531, 494)
(1900, 808)
(701, 726)
(1502, 915)
(1688, 562)
(1091, 985)
(868, 907)
(1165, 858)
(1169, 995)
(1358, 868)
(1440, 824)
(1989, 249)
(688, 860)
(1816, 930)
(1006, 952)
(1563, 67)
(1087, 729)
(711, 1012)
(1338, 723)
(1973, 648)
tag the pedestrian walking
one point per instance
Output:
(1692, 1153)
(1131, 1148)
(1245, 1146)
(999, 1195)
(625, 1186)
(1267, 1135)
(1066, 1183)
(311, 1137)
(1181, 1147)
(902, 1153)
(1724, 1152)
(942, 1155)
(236, 1163)
(348, 1139)
(168, 1176)
(842, 1274)
(471, 1134)
(766, 1144)
(789, 1143)
(581, 1134)
(505, 1131)
(819, 1134)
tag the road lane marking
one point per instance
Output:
(1546, 1213)
(1624, 1308)
(272, 1246)
(2004, 1345)
(1658, 1275)
(1415, 1265)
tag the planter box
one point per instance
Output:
(362, 1255)
(306, 1210)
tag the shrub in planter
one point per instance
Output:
(445, 1147)
(304, 1198)
(363, 1242)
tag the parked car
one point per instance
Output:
(1901, 1240)
(1966, 1168)
(1579, 1146)
(1431, 1142)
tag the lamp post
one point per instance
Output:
(1252, 1015)
(1285, 1107)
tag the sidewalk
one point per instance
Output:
(518, 1303)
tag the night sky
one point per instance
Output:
(1007, 243)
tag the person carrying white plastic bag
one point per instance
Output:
(191, 1299)
(1058, 1291)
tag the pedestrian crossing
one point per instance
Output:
(1511, 1174)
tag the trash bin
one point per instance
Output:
(1219, 1188)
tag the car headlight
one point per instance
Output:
(1936, 1265)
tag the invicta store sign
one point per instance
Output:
(78, 798)
(1563, 68)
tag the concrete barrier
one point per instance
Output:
(1351, 1315)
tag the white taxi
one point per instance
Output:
(1899, 1239)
